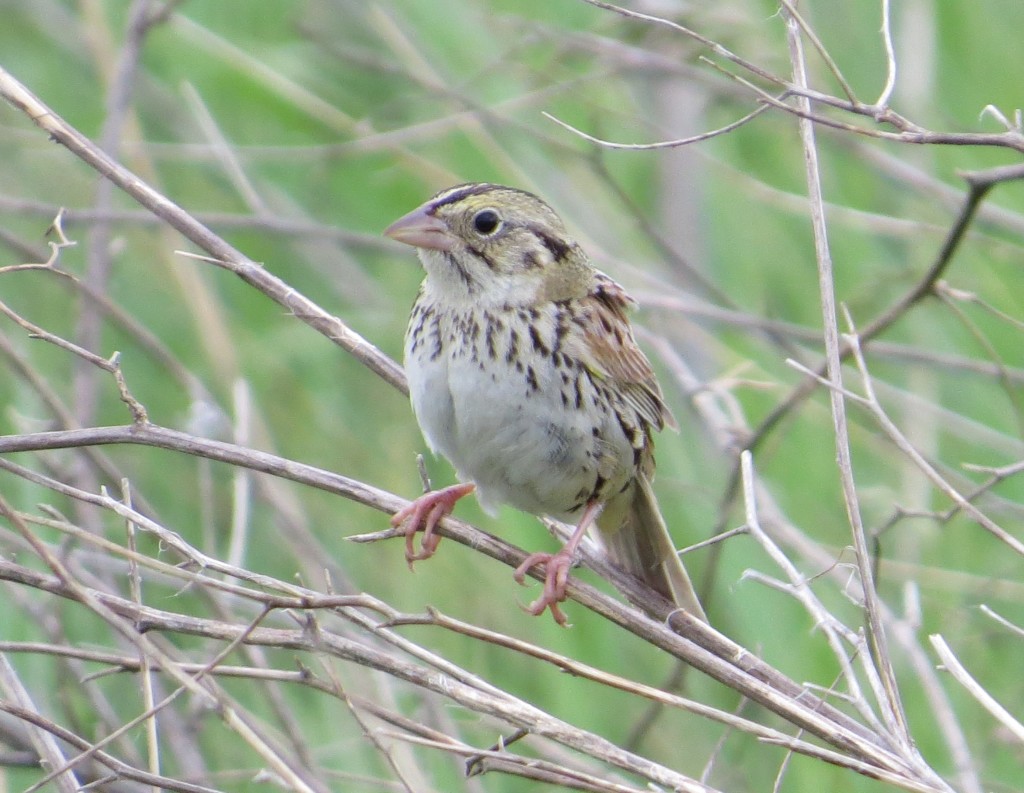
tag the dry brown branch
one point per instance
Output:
(892, 431)
(879, 113)
(975, 689)
(220, 252)
(891, 705)
(725, 661)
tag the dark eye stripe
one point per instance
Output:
(559, 248)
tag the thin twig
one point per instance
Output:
(893, 706)
(135, 587)
(899, 439)
(822, 51)
(890, 56)
(663, 144)
(975, 689)
(220, 252)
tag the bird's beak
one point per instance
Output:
(421, 230)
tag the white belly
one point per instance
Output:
(518, 435)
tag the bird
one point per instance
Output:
(525, 375)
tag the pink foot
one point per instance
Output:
(558, 566)
(425, 513)
(557, 575)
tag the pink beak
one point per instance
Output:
(421, 230)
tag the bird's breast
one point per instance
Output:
(501, 397)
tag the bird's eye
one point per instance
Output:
(486, 221)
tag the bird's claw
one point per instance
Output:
(424, 514)
(556, 578)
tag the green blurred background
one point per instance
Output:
(299, 130)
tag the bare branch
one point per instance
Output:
(893, 710)
(975, 689)
(220, 252)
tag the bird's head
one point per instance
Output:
(493, 244)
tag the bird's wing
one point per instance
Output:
(610, 351)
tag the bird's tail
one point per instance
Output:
(637, 540)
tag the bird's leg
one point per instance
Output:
(425, 513)
(558, 566)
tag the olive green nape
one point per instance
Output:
(573, 277)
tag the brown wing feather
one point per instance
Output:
(631, 527)
(611, 351)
